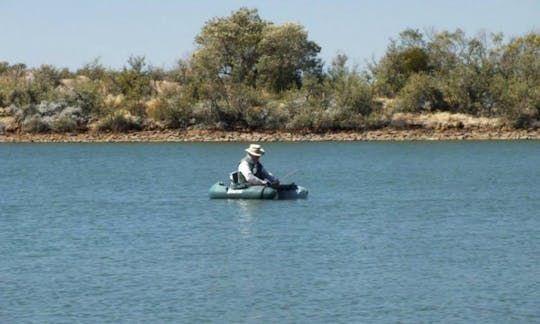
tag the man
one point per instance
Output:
(251, 170)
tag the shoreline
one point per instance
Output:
(387, 134)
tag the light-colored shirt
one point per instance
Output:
(249, 175)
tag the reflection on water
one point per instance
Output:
(246, 215)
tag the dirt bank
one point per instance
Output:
(222, 136)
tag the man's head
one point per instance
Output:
(255, 151)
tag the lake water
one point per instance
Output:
(410, 232)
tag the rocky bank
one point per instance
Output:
(281, 136)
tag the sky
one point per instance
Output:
(72, 33)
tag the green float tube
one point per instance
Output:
(246, 191)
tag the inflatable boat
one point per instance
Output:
(246, 191)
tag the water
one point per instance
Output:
(392, 232)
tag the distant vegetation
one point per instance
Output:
(247, 73)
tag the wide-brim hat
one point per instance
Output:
(255, 149)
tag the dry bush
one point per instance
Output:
(442, 120)
(119, 121)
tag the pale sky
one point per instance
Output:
(71, 33)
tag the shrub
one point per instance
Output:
(466, 90)
(343, 119)
(300, 116)
(520, 104)
(135, 108)
(300, 121)
(64, 124)
(21, 96)
(88, 96)
(69, 119)
(354, 96)
(204, 113)
(376, 121)
(404, 57)
(49, 116)
(265, 117)
(93, 70)
(172, 112)
(120, 121)
(35, 124)
(255, 117)
(516, 88)
(134, 82)
(247, 107)
(420, 95)
(350, 97)
(270, 116)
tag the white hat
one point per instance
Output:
(255, 149)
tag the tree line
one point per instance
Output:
(247, 73)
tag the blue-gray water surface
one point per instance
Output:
(406, 232)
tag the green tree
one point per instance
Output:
(245, 49)
(446, 50)
(351, 95)
(404, 57)
(463, 69)
(286, 55)
(448, 71)
(227, 48)
(517, 84)
(134, 81)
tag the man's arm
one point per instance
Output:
(269, 176)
